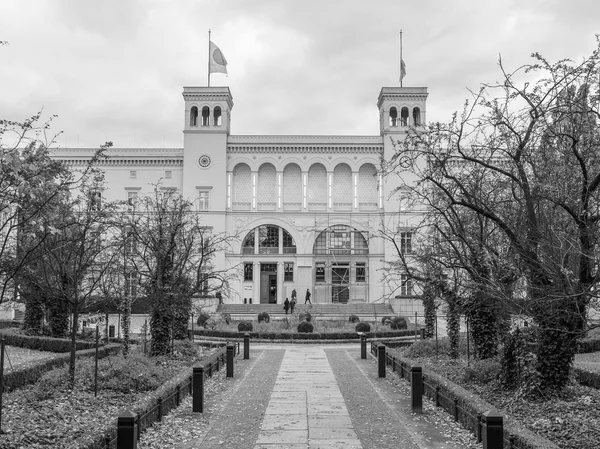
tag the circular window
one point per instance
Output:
(204, 161)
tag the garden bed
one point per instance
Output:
(49, 414)
(570, 420)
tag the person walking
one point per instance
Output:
(292, 305)
(286, 305)
(293, 294)
(307, 298)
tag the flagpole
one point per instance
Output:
(209, 57)
(400, 58)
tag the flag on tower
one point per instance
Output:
(402, 70)
(216, 60)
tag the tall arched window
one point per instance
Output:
(339, 240)
(342, 187)
(292, 187)
(205, 116)
(393, 116)
(266, 195)
(242, 187)
(217, 116)
(194, 116)
(404, 117)
(367, 188)
(317, 187)
(416, 117)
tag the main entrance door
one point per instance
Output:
(268, 283)
(340, 277)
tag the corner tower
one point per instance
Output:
(207, 123)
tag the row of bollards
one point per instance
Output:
(491, 426)
(127, 422)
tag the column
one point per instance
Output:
(256, 283)
(280, 275)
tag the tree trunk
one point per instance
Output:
(429, 307)
(73, 346)
(126, 323)
(160, 325)
(34, 314)
(58, 318)
(483, 316)
(453, 324)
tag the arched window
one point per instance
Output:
(342, 187)
(267, 188)
(242, 187)
(404, 117)
(317, 187)
(217, 116)
(205, 116)
(393, 116)
(367, 188)
(272, 239)
(416, 117)
(194, 116)
(292, 187)
(339, 240)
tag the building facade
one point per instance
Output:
(307, 210)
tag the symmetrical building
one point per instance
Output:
(307, 209)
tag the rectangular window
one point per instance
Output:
(131, 198)
(96, 200)
(131, 283)
(288, 268)
(320, 272)
(360, 272)
(130, 244)
(248, 271)
(406, 242)
(168, 174)
(132, 174)
(405, 285)
(203, 197)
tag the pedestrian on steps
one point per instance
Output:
(286, 305)
(307, 298)
(292, 305)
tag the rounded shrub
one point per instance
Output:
(305, 327)
(353, 319)
(387, 320)
(263, 316)
(306, 316)
(203, 317)
(398, 323)
(363, 327)
(245, 326)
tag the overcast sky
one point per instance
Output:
(114, 69)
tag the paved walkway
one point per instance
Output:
(315, 397)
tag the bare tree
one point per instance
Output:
(524, 156)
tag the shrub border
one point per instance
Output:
(523, 437)
(300, 336)
(43, 343)
(26, 376)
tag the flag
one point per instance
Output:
(216, 60)
(402, 70)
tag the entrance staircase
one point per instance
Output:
(365, 311)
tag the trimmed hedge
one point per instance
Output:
(587, 378)
(4, 324)
(43, 343)
(296, 336)
(305, 327)
(306, 316)
(264, 316)
(353, 319)
(243, 326)
(589, 345)
(470, 404)
(22, 377)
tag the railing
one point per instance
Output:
(168, 402)
(483, 425)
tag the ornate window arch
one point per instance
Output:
(268, 239)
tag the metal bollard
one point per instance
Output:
(230, 353)
(246, 346)
(127, 423)
(416, 390)
(363, 346)
(492, 430)
(198, 397)
(381, 359)
(423, 334)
